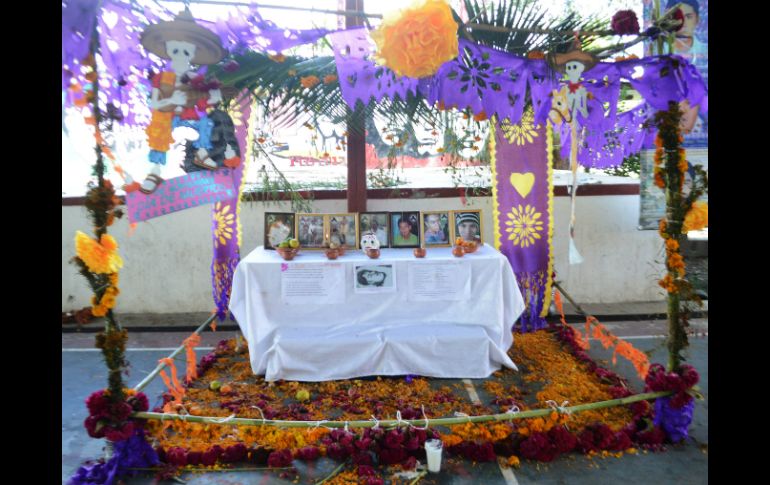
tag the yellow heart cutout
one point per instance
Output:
(523, 182)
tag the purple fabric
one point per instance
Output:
(134, 452)
(521, 210)
(226, 249)
(675, 422)
(360, 78)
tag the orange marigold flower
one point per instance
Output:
(672, 244)
(330, 78)
(99, 311)
(418, 40)
(513, 461)
(697, 218)
(659, 181)
(309, 82)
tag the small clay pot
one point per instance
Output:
(373, 253)
(458, 251)
(332, 253)
(287, 253)
(341, 249)
(420, 252)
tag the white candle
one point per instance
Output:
(433, 452)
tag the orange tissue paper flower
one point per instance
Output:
(697, 218)
(418, 40)
(99, 257)
(309, 82)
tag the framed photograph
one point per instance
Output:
(405, 229)
(343, 229)
(310, 230)
(376, 222)
(374, 278)
(278, 227)
(467, 225)
(436, 228)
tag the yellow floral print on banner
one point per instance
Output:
(522, 133)
(524, 225)
(223, 221)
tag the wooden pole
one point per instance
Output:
(356, 134)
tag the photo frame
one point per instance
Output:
(310, 230)
(343, 229)
(399, 240)
(278, 226)
(381, 223)
(374, 278)
(436, 228)
(468, 224)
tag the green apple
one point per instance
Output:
(215, 385)
(302, 395)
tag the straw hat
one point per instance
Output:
(208, 46)
(559, 61)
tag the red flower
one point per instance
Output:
(679, 17)
(374, 481)
(194, 457)
(563, 440)
(235, 453)
(393, 439)
(94, 428)
(279, 459)
(366, 471)
(538, 447)
(120, 434)
(97, 404)
(176, 456)
(410, 463)
(210, 456)
(390, 456)
(308, 453)
(362, 458)
(259, 455)
(338, 452)
(622, 442)
(139, 402)
(625, 23)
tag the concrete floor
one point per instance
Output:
(83, 372)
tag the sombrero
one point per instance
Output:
(208, 46)
(559, 61)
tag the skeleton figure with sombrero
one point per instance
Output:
(180, 96)
(573, 63)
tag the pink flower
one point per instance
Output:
(625, 23)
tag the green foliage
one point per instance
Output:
(631, 166)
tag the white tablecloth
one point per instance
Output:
(377, 334)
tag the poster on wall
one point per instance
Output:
(692, 44)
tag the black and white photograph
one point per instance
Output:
(374, 278)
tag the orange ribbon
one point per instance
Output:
(192, 367)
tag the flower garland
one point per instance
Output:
(607, 431)
(674, 413)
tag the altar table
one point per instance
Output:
(377, 334)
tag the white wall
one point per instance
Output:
(167, 260)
